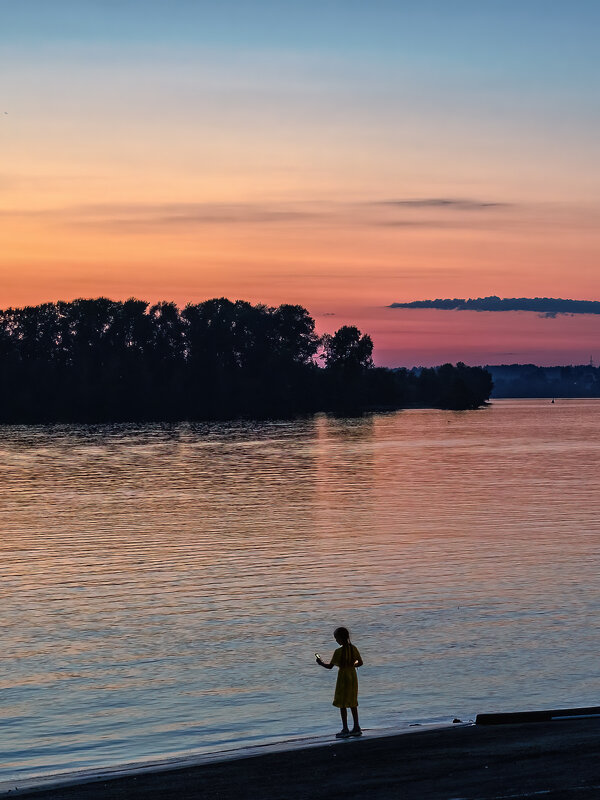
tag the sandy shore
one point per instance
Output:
(551, 760)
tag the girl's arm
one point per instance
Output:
(322, 663)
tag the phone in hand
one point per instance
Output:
(317, 656)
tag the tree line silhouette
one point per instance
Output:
(100, 360)
(529, 380)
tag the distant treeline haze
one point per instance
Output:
(103, 360)
(529, 380)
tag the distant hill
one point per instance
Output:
(529, 380)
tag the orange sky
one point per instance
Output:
(300, 169)
(344, 262)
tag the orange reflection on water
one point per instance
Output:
(155, 575)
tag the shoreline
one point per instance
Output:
(170, 763)
(558, 759)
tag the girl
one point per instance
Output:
(347, 659)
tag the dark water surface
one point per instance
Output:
(163, 588)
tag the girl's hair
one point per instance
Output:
(343, 636)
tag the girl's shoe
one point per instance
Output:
(343, 734)
(355, 732)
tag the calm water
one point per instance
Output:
(164, 588)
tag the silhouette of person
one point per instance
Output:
(346, 658)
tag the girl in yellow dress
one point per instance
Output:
(346, 658)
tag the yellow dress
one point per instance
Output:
(346, 686)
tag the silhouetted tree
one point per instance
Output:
(101, 360)
(348, 357)
(348, 349)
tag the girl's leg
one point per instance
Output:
(344, 716)
(354, 711)
(344, 733)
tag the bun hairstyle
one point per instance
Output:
(342, 635)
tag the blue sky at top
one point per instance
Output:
(517, 53)
(560, 34)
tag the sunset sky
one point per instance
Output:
(339, 154)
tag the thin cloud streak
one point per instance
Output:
(191, 214)
(546, 307)
(445, 203)
(134, 215)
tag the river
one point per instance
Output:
(164, 587)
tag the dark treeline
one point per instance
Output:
(529, 380)
(102, 360)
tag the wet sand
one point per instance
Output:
(551, 760)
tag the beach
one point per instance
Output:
(552, 760)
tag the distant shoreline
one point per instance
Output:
(528, 380)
